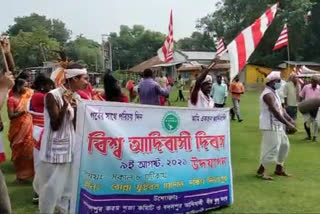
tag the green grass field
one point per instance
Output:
(298, 194)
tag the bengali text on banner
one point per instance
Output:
(149, 159)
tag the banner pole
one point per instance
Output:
(4, 60)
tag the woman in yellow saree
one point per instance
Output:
(20, 131)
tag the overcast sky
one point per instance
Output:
(95, 17)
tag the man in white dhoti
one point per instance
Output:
(56, 153)
(273, 119)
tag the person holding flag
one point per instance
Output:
(200, 95)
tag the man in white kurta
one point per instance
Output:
(273, 119)
(55, 170)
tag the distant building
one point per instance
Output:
(48, 67)
(196, 59)
(185, 63)
(201, 57)
(288, 66)
(156, 65)
(254, 76)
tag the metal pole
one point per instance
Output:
(103, 56)
(288, 49)
(110, 46)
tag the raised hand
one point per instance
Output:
(5, 44)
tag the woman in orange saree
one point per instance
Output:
(20, 131)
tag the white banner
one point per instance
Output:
(151, 159)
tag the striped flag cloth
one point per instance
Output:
(220, 47)
(283, 39)
(241, 48)
(166, 52)
(298, 71)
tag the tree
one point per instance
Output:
(232, 16)
(197, 42)
(311, 45)
(134, 45)
(59, 31)
(86, 51)
(32, 48)
(54, 27)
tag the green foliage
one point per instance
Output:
(134, 45)
(232, 16)
(85, 50)
(31, 48)
(59, 32)
(56, 28)
(311, 42)
(197, 42)
(35, 37)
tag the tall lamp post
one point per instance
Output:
(106, 52)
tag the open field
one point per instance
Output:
(299, 194)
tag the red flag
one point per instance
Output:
(220, 47)
(245, 43)
(283, 39)
(166, 52)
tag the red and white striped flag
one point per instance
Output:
(283, 39)
(166, 52)
(298, 71)
(241, 48)
(220, 47)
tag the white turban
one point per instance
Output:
(60, 74)
(207, 79)
(75, 72)
(274, 75)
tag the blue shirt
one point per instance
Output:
(150, 91)
(219, 92)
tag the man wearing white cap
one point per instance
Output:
(54, 176)
(200, 96)
(273, 119)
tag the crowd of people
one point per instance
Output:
(279, 103)
(42, 118)
(154, 89)
(278, 108)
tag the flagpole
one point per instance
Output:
(4, 59)
(288, 48)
